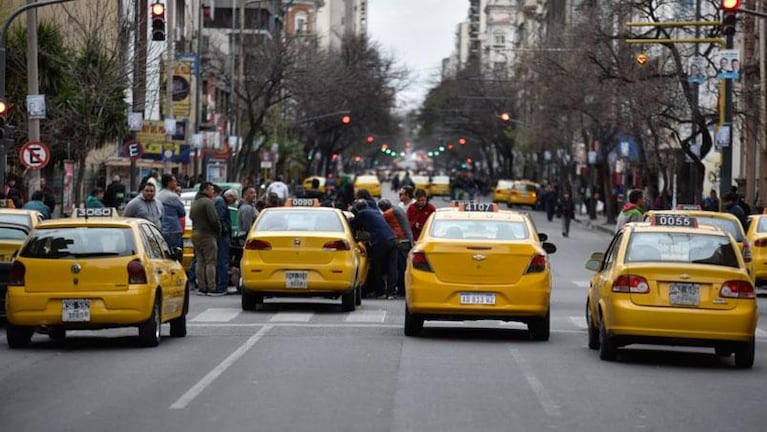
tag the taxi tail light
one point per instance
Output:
(420, 262)
(258, 245)
(136, 272)
(762, 242)
(336, 245)
(737, 289)
(631, 284)
(537, 264)
(746, 251)
(17, 274)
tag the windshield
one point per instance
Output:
(300, 220)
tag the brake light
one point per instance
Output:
(255, 244)
(746, 251)
(631, 284)
(136, 272)
(737, 289)
(17, 273)
(418, 258)
(762, 242)
(336, 245)
(537, 264)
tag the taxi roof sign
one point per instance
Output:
(673, 220)
(104, 212)
(688, 207)
(302, 202)
(474, 206)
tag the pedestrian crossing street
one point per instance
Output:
(380, 317)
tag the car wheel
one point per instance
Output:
(413, 323)
(593, 330)
(251, 300)
(607, 349)
(744, 355)
(57, 334)
(358, 295)
(723, 351)
(18, 336)
(149, 331)
(540, 328)
(349, 300)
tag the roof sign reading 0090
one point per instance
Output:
(302, 202)
(672, 220)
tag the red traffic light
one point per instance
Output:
(334, 156)
(371, 139)
(4, 107)
(158, 10)
(505, 117)
(729, 5)
(346, 119)
(450, 146)
(462, 141)
(469, 160)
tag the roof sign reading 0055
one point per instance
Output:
(672, 220)
(95, 212)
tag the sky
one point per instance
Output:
(418, 34)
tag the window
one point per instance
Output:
(300, 22)
(79, 242)
(151, 246)
(612, 253)
(499, 39)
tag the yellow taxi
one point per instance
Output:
(501, 191)
(523, 192)
(724, 221)
(308, 183)
(369, 182)
(92, 273)
(421, 182)
(30, 218)
(440, 186)
(669, 281)
(302, 250)
(757, 239)
(478, 263)
(12, 236)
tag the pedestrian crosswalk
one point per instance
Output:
(366, 317)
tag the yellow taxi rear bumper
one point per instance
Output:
(427, 295)
(331, 280)
(624, 318)
(132, 306)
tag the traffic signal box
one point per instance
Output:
(158, 21)
(729, 16)
(3, 117)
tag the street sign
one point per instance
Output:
(133, 149)
(34, 155)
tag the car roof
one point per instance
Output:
(91, 222)
(493, 216)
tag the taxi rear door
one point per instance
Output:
(161, 270)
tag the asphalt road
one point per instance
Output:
(306, 366)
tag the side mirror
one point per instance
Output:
(595, 261)
(550, 248)
(543, 237)
(178, 253)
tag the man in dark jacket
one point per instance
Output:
(731, 206)
(206, 228)
(115, 194)
(49, 197)
(382, 250)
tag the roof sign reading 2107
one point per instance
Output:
(673, 220)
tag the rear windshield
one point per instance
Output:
(684, 248)
(762, 227)
(300, 220)
(503, 184)
(94, 242)
(726, 225)
(19, 219)
(479, 230)
(7, 233)
(524, 187)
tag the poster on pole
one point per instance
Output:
(695, 67)
(722, 137)
(36, 107)
(728, 64)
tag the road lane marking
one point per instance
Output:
(544, 399)
(208, 379)
(217, 315)
(366, 316)
(292, 317)
(581, 284)
(579, 321)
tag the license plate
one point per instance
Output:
(478, 298)
(75, 310)
(296, 279)
(684, 294)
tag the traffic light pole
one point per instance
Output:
(725, 169)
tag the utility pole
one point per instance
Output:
(169, 69)
(33, 124)
(139, 71)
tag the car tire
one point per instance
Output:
(358, 295)
(723, 351)
(250, 300)
(18, 336)
(540, 328)
(744, 355)
(592, 329)
(57, 334)
(149, 331)
(413, 323)
(607, 349)
(349, 300)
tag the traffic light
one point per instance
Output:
(158, 21)
(450, 147)
(346, 119)
(371, 138)
(641, 59)
(505, 117)
(462, 141)
(3, 118)
(729, 16)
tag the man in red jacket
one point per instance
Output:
(419, 212)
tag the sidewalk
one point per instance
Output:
(600, 223)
